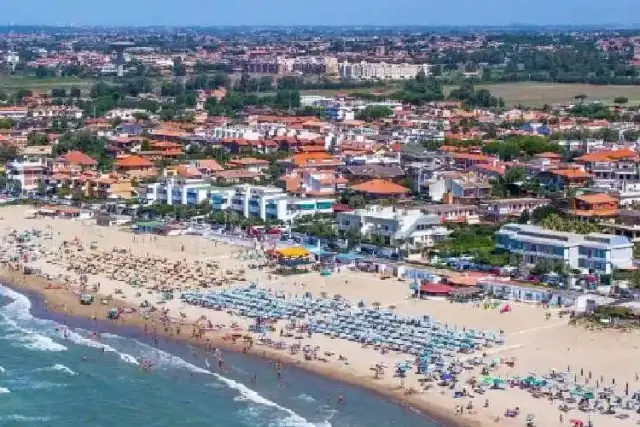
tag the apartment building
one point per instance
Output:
(30, 173)
(453, 213)
(591, 253)
(613, 169)
(498, 209)
(176, 191)
(380, 70)
(268, 203)
(398, 227)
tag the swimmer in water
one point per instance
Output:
(254, 378)
(340, 398)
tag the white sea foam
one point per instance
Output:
(250, 395)
(4, 390)
(2, 370)
(167, 360)
(17, 316)
(58, 367)
(305, 397)
(23, 418)
(78, 339)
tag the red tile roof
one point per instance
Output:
(380, 186)
(133, 161)
(76, 157)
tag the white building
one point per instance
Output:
(29, 173)
(397, 226)
(268, 203)
(176, 191)
(590, 253)
(381, 70)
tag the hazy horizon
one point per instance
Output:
(459, 13)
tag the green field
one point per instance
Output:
(529, 94)
(42, 85)
(538, 94)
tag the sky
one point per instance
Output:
(319, 12)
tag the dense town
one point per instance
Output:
(448, 217)
(226, 129)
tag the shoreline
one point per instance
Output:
(64, 302)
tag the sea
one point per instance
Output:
(52, 373)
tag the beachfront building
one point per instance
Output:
(506, 289)
(268, 203)
(176, 191)
(29, 173)
(590, 253)
(408, 228)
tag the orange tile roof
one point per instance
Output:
(603, 156)
(209, 164)
(380, 186)
(548, 155)
(597, 198)
(570, 173)
(133, 161)
(303, 158)
(76, 157)
(292, 184)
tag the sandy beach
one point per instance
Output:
(128, 270)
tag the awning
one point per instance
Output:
(295, 252)
(435, 289)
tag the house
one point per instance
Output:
(453, 213)
(75, 161)
(236, 176)
(560, 179)
(626, 223)
(135, 166)
(395, 227)
(590, 253)
(593, 205)
(249, 164)
(613, 169)
(498, 209)
(110, 186)
(208, 166)
(381, 189)
(311, 182)
(367, 172)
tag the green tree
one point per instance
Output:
(36, 138)
(620, 100)
(375, 112)
(6, 123)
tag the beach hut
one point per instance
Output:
(434, 289)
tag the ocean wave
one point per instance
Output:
(4, 390)
(159, 358)
(16, 314)
(43, 385)
(23, 418)
(58, 367)
(247, 394)
(78, 339)
(2, 370)
(305, 397)
(167, 360)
